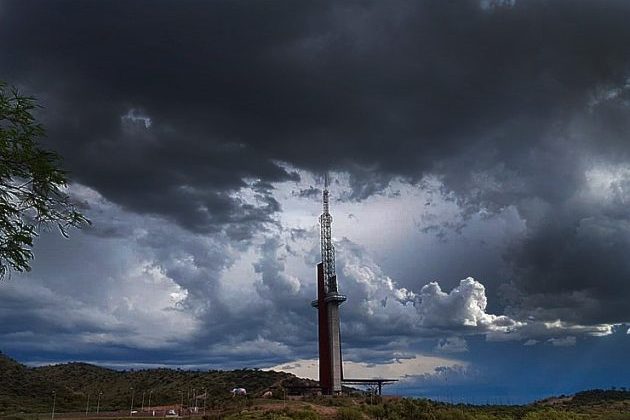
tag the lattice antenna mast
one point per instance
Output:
(328, 251)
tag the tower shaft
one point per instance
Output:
(327, 304)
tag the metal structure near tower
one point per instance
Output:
(327, 304)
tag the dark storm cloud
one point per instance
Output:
(310, 192)
(170, 110)
(230, 85)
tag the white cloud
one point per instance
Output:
(113, 284)
(606, 184)
(134, 117)
(130, 304)
(542, 330)
(452, 345)
(434, 312)
(608, 94)
(563, 341)
(393, 369)
(252, 348)
(463, 307)
(431, 312)
(492, 4)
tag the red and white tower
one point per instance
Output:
(327, 304)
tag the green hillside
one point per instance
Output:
(30, 390)
(25, 390)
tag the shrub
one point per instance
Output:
(349, 413)
(550, 414)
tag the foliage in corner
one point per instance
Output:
(32, 184)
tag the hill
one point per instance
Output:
(25, 390)
(30, 390)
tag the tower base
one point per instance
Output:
(330, 362)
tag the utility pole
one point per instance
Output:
(131, 409)
(87, 406)
(181, 404)
(52, 416)
(205, 395)
(150, 392)
(142, 409)
(98, 402)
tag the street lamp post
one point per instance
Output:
(98, 402)
(52, 416)
(131, 409)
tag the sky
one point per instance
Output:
(479, 158)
